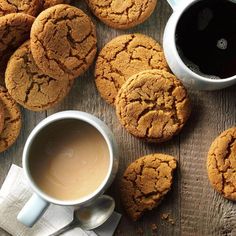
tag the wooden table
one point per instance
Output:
(195, 207)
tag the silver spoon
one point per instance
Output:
(92, 216)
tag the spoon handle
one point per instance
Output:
(68, 227)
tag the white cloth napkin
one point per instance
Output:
(15, 192)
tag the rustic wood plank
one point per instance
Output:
(204, 212)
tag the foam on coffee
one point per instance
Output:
(69, 160)
(194, 68)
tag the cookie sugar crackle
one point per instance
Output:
(122, 14)
(29, 86)
(123, 57)
(145, 183)
(30, 7)
(14, 30)
(153, 105)
(63, 42)
(221, 164)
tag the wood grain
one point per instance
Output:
(195, 207)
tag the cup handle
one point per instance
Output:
(32, 210)
(173, 3)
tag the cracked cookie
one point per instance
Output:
(221, 164)
(30, 7)
(14, 30)
(3, 65)
(12, 121)
(123, 57)
(63, 42)
(145, 183)
(49, 3)
(153, 105)
(122, 14)
(29, 86)
(2, 117)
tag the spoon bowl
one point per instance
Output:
(91, 216)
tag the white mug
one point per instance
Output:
(39, 202)
(174, 60)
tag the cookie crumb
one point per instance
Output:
(167, 218)
(119, 232)
(172, 221)
(154, 227)
(140, 231)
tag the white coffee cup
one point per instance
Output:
(39, 202)
(174, 60)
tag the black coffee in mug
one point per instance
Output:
(206, 38)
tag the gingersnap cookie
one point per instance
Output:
(63, 42)
(12, 121)
(122, 14)
(221, 164)
(123, 57)
(49, 3)
(29, 86)
(2, 117)
(30, 7)
(14, 30)
(3, 65)
(145, 183)
(153, 105)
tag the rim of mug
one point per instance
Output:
(78, 115)
(185, 5)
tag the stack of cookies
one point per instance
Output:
(62, 46)
(43, 48)
(132, 74)
(46, 44)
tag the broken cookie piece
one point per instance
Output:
(153, 105)
(145, 182)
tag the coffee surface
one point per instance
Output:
(69, 160)
(206, 38)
